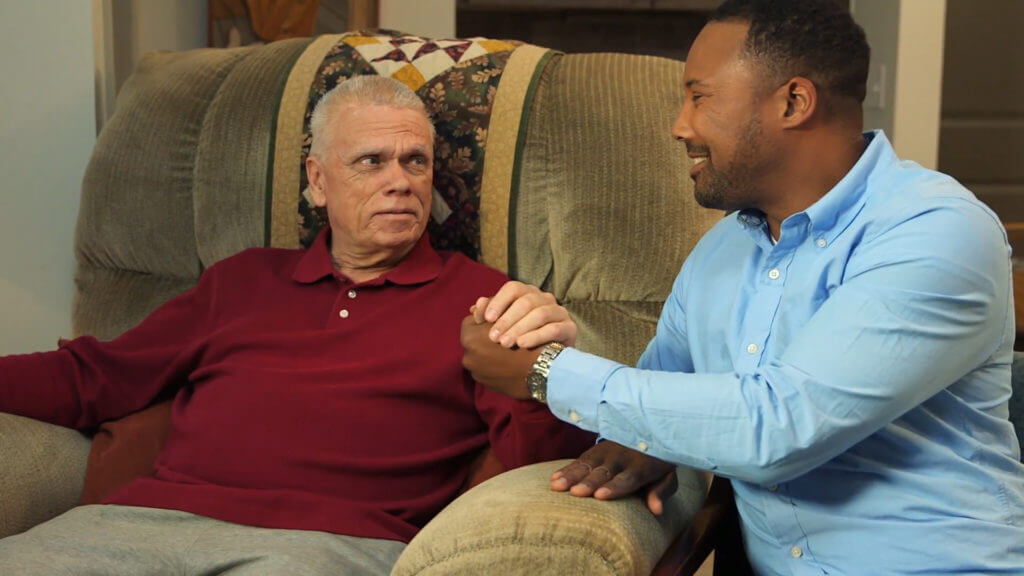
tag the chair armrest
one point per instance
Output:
(42, 470)
(515, 524)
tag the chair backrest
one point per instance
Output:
(559, 169)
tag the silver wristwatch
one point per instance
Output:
(537, 381)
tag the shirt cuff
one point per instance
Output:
(575, 386)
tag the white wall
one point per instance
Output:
(127, 29)
(918, 99)
(430, 18)
(47, 129)
(906, 38)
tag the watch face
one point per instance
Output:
(537, 385)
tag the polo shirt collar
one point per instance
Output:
(419, 266)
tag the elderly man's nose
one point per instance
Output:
(398, 178)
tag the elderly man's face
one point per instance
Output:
(376, 179)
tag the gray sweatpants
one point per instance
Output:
(133, 541)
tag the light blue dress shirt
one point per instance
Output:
(851, 379)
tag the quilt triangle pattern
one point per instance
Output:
(414, 60)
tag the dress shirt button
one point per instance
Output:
(773, 273)
(343, 313)
(351, 293)
(751, 348)
(574, 416)
(796, 552)
(641, 446)
(821, 243)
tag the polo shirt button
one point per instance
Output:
(773, 273)
(796, 552)
(351, 293)
(821, 243)
(641, 446)
(574, 416)
(343, 313)
(751, 348)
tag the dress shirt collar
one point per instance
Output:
(830, 215)
(421, 265)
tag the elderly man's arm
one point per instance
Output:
(87, 381)
(522, 432)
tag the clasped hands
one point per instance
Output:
(502, 338)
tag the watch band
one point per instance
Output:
(537, 381)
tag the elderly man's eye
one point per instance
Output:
(369, 160)
(419, 161)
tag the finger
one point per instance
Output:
(660, 492)
(528, 312)
(506, 295)
(593, 482)
(570, 475)
(623, 484)
(471, 336)
(477, 310)
(535, 315)
(563, 332)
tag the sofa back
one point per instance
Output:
(556, 168)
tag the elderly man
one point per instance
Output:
(839, 345)
(321, 412)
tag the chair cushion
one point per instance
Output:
(124, 450)
(515, 520)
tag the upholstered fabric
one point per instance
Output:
(529, 529)
(41, 470)
(233, 155)
(125, 449)
(604, 212)
(136, 215)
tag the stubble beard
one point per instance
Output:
(735, 186)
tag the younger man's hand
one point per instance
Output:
(500, 369)
(609, 471)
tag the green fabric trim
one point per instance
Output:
(268, 194)
(513, 197)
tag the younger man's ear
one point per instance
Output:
(797, 101)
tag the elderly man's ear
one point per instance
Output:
(315, 175)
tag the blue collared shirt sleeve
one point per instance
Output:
(577, 379)
(878, 346)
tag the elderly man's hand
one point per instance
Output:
(500, 369)
(609, 471)
(524, 316)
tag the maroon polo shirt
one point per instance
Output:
(301, 400)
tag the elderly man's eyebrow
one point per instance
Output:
(693, 82)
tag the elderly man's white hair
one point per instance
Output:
(363, 90)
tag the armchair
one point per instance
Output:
(557, 168)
